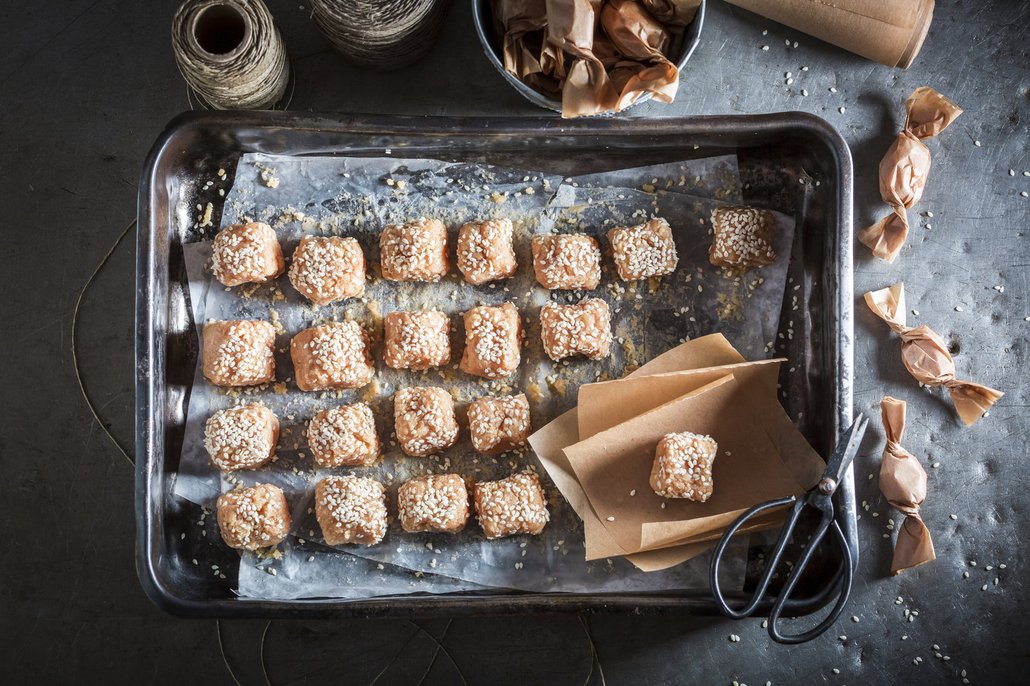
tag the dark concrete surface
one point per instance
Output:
(85, 87)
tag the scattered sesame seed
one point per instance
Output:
(958, 308)
(842, 110)
(804, 92)
(765, 47)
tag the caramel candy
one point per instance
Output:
(344, 436)
(499, 424)
(333, 355)
(580, 329)
(239, 353)
(253, 518)
(327, 269)
(493, 341)
(683, 466)
(241, 437)
(644, 251)
(351, 509)
(567, 261)
(742, 237)
(415, 251)
(511, 506)
(416, 340)
(433, 503)
(485, 251)
(246, 253)
(424, 420)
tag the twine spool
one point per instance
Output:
(230, 53)
(381, 34)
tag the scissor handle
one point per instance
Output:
(781, 544)
(826, 523)
(795, 575)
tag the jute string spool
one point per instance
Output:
(230, 53)
(381, 34)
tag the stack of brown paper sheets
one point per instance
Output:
(599, 454)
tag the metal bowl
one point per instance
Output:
(482, 16)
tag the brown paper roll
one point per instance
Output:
(890, 32)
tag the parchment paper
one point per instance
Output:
(357, 196)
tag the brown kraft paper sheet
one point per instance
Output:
(549, 442)
(903, 483)
(747, 468)
(905, 167)
(603, 405)
(926, 356)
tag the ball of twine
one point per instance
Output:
(230, 53)
(381, 34)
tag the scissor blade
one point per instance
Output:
(847, 449)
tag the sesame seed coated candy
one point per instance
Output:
(424, 420)
(499, 424)
(246, 253)
(414, 252)
(742, 237)
(683, 466)
(493, 341)
(253, 518)
(344, 436)
(644, 251)
(241, 437)
(567, 261)
(330, 356)
(511, 506)
(485, 251)
(416, 340)
(580, 329)
(326, 269)
(433, 503)
(239, 353)
(351, 509)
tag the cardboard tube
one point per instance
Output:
(890, 32)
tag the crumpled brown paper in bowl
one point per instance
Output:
(597, 56)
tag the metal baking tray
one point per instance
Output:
(784, 159)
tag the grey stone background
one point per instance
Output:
(87, 86)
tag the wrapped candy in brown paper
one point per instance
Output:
(903, 483)
(905, 167)
(599, 55)
(926, 356)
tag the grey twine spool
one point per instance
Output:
(230, 53)
(381, 34)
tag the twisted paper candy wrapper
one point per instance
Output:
(903, 483)
(926, 356)
(905, 167)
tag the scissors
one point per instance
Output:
(820, 497)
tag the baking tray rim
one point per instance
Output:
(150, 362)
